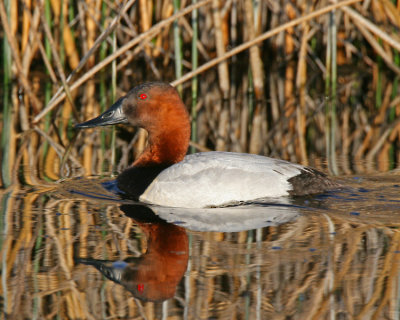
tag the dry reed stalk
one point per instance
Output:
(88, 145)
(256, 65)
(32, 45)
(25, 24)
(254, 51)
(346, 141)
(223, 72)
(81, 80)
(20, 156)
(382, 159)
(150, 310)
(14, 17)
(92, 108)
(59, 96)
(57, 147)
(261, 38)
(223, 128)
(36, 104)
(244, 117)
(200, 47)
(145, 8)
(289, 73)
(9, 155)
(141, 142)
(51, 165)
(377, 149)
(257, 130)
(301, 81)
(234, 102)
(47, 63)
(223, 76)
(70, 47)
(389, 39)
(377, 47)
(97, 43)
(275, 113)
(57, 61)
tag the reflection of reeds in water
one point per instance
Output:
(299, 270)
(262, 96)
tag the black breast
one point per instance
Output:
(135, 180)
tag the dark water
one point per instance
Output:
(75, 250)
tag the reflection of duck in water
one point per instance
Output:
(163, 175)
(155, 275)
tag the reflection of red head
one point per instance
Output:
(156, 274)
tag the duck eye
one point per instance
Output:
(143, 96)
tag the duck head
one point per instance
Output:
(156, 107)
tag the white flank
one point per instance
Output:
(217, 178)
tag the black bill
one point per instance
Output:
(111, 116)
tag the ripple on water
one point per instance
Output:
(342, 242)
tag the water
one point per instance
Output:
(75, 250)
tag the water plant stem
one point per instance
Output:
(7, 111)
(330, 92)
(113, 97)
(194, 79)
(177, 47)
(103, 90)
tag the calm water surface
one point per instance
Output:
(74, 250)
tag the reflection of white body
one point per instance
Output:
(229, 219)
(216, 178)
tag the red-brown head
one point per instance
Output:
(156, 107)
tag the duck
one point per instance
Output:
(165, 175)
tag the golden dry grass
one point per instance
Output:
(265, 84)
(277, 79)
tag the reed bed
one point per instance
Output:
(303, 81)
(295, 271)
(299, 81)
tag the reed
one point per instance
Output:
(177, 47)
(331, 94)
(257, 75)
(113, 98)
(7, 118)
(255, 82)
(48, 158)
(103, 89)
(195, 61)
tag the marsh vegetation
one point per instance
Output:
(307, 81)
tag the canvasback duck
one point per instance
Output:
(164, 175)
